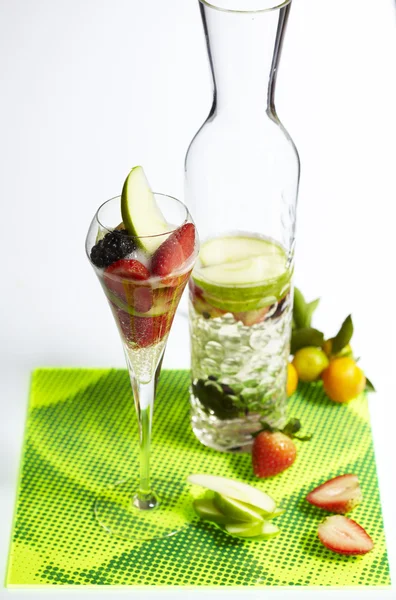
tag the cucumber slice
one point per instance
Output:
(235, 489)
(235, 248)
(236, 510)
(140, 212)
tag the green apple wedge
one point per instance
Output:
(236, 490)
(140, 212)
(256, 531)
(206, 509)
(236, 510)
(233, 248)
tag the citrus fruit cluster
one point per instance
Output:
(330, 360)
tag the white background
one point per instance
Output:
(90, 88)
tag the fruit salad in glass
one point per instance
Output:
(143, 247)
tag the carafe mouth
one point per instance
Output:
(245, 6)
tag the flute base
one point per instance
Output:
(161, 514)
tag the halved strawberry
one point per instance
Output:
(206, 310)
(122, 279)
(174, 252)
(345, 536)
(146, 331)
(129, 268)
(251, 317)
(143, 331)
(340, 494)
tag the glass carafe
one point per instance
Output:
(241, 183)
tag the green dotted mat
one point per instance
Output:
(81, 434)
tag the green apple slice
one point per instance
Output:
(207, 510)
(236, 510)
(277, 513)
(268, 531)
(159, 308)
(249, 271)
(258, 531)
(140, 212)
(235, 489)
(245, 530)
(235, 248)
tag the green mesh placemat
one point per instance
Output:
(78, 438)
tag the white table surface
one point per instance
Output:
(91, 87)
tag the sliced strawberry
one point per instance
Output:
(251, 317)
(206, 310)
(194, 290)
(146, 331)
(143, 331)
(344, 536)
(174, 252)
(339, 495)
(121, 277)
(129, 268)
(142, 300)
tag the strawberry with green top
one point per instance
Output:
(274, 450)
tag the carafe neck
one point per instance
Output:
(244, 50)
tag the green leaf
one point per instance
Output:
(369, 386)
(292, 427)
(299, 308)
(310, 309)
(343, 337)
(303, 438)
(303, 311)
(307, 336)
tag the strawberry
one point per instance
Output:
(146, 331)
(120, 276)
(340, 494)
(129, 268)
(273, 450)
(345, 536)
(251, 317)
(143, 331)
(174, 252)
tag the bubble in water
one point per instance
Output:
(230, 366)
(209, 365)
(259, 340)
(214, 350)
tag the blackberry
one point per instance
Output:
(115, 245)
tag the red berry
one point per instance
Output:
(174, 252)
(339, 495)
(129, 268)
(345, 536)
(143, 331)
(272, 453)
(121, 278)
